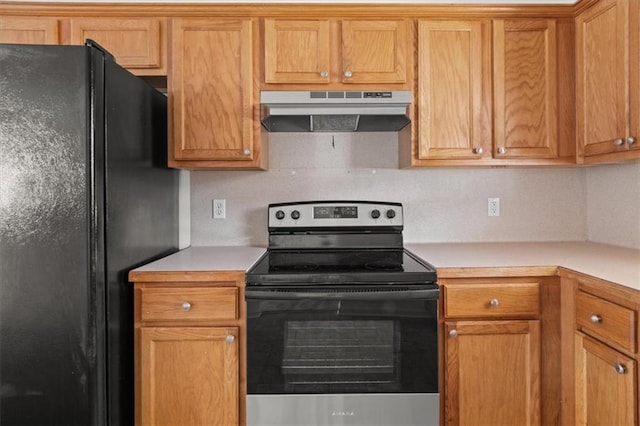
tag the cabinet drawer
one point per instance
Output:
(612, 323)
(189, 304)
(492, 300)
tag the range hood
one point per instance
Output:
(335, 111)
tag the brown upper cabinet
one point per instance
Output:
(138, 44)
(336, 52)
(516, 110)
(608, 88)
(21, 30)
(454, 90)
(214, 105)
(525, 88)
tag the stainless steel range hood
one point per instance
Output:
(335, 111)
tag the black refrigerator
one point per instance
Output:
(85, 196)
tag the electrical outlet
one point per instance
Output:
(219, 209)
(493, 207)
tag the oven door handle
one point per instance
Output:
(429, 294)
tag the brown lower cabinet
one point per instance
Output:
(189, 348)
(188, 375)
(606, 354)
(500, 354)
(556, 349)
(606, 390)
(492, 372)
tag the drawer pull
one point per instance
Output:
(453, 333)
(620, 369)
(494, 303)
(230, 338)
(186, 306)
(596, 319)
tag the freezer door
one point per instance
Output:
(141, 215)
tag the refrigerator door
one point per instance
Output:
(47, 341)
(141, 215)
(85, 197)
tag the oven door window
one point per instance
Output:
(341, 346)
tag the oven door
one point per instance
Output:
(342, 355)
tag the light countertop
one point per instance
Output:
(209, 258)
(611, 263)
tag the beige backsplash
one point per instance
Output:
(441, 204)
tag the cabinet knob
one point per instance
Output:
(631, 140)
(494, 303)
(596, 319)
(348, 74)
(324, 74)
(186, 306)
(619, 142)
(477, 150)
(246, 151)
(453, 333)
(230, 338)
(620, 369)
(502, 150)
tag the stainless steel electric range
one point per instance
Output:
(341, 320)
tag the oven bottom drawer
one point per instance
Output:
(409, 409)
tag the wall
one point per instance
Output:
(613, 204)
(537, 204)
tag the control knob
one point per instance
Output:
(280, 215)
(375, 214)
(391, 214)
(295, 215)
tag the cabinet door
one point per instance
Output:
(188, 376)
(136, 43)
(602, 79)
(20, 30)
(492, 372)
(296, 51)
(453, 91)
(605, 385)
(211, 90)
(526, 92)
(374, 51)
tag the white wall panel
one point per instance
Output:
(613, 204)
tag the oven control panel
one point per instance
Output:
(335, 214)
